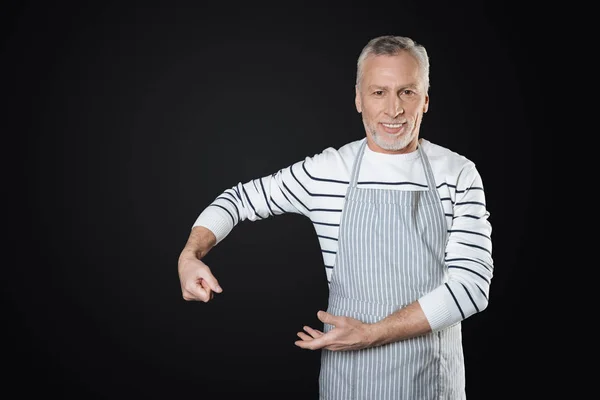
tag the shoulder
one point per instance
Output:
(333, 159)
(444, 159)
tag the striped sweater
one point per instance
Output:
(316, 186)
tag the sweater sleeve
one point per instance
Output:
(468, 257)
(255, 200)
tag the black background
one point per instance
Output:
(133, 118)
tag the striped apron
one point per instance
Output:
(391, 252)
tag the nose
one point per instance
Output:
(394, 106)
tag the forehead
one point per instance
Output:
(398, 70)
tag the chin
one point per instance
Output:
(390, 145)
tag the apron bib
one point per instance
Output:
(390, 253)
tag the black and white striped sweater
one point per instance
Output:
(316, 186)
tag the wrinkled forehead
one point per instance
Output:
(392, 70)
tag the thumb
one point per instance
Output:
(212, 283)
(325, 317)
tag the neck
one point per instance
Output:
(409, 148)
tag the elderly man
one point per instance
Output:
(404, 232)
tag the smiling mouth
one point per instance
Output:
(393, 126)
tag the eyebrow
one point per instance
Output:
(409, 86)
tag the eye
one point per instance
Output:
(378, 93)
(407, 92)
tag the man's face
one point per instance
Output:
(392, 98)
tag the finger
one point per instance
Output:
(313, 332)
(209, 294)
(326, 318)
(212, 283)
(304, 336)
(198, 291)
(312, 344)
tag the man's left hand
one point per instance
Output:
(346, 334)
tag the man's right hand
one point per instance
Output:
(197, 282)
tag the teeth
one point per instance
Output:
(392, 125)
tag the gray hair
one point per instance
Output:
(391, 46)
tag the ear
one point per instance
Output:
(426, 105)
(357, 99)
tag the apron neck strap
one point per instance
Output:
(357, 162)
(422, 155)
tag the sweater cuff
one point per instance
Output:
(434, 305)
(217, 221)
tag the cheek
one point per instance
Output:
(370, 112)
(421, 107)
(368, 118)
